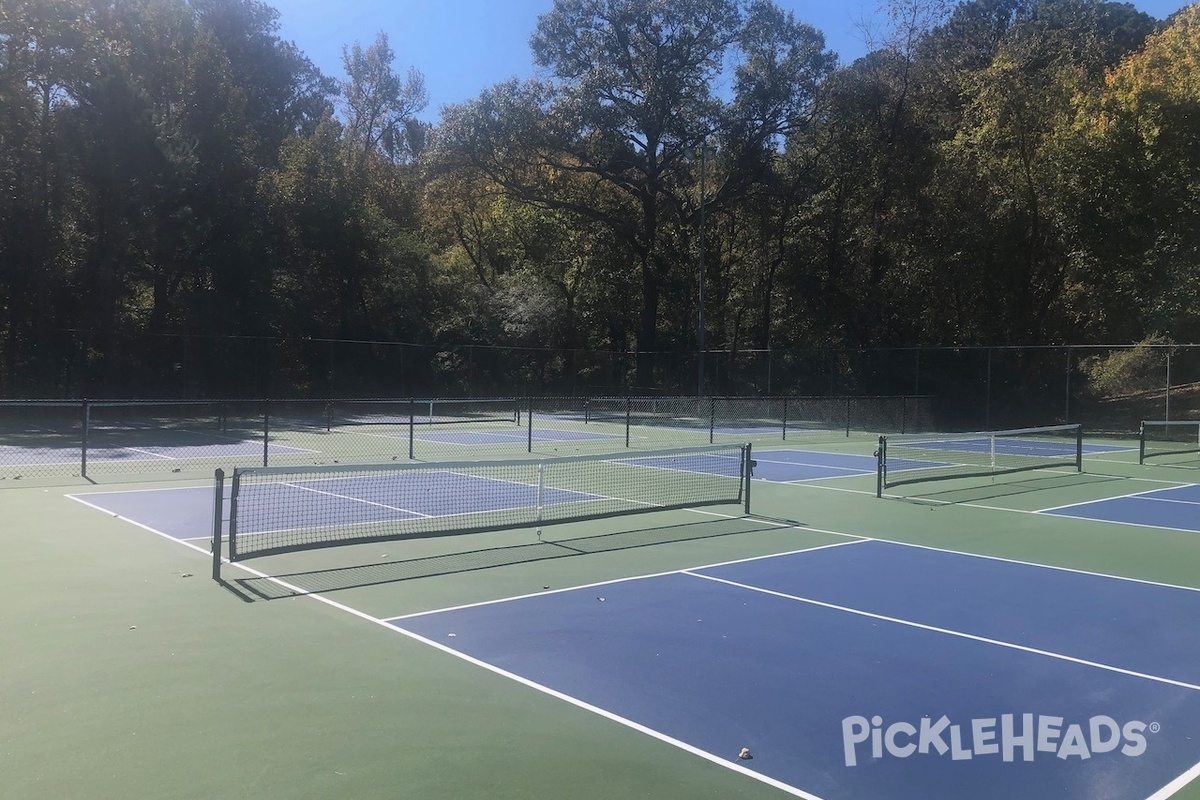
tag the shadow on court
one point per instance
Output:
(255, 589)
(1000, 487)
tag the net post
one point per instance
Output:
(785, 410)
(748, 471)
(880, 466)
(1142, 443)
(529, 427)
(266, 430)
(1079, 448)
(628, 414)
(412, 425)
(847, 416)
(218, 513)
(234, 486)
(83, 443)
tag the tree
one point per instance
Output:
(1133, 178)
(40, 70)
(379, 107)
(607, 139)
(1003, 158)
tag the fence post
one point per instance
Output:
(1167, 409)
(917, 374)
(628, 414)
(412, 424)
(83, 443)
(1067, 406)
(266, 430)
(987, 420)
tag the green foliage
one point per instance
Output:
(1128, 371)
(1134, 181)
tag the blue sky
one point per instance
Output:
(464, 46)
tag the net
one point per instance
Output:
(278, 509)
(1167, 438)
(928, 457)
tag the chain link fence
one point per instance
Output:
(1106, 388)
(114, 440)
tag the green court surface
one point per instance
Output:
(127, 672)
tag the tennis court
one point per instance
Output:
(599, 626)
(175, 447)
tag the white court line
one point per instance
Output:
(1147, 525)
(1036, 565)
(946, 631)
(1141, 495)
(613, 581)
(1177, 784)
(145, 452)
(354, 499)
(134, 522)
(208, 486)
(851, 471)
(609, 715)
(1005, 559)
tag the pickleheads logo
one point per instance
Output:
(1010, 737)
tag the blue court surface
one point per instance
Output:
(172, 446)
(804, 465)
(799, 466)
(1177, 507)
(501, 435)
(512, 435)
(183, 513)
(873, 670)
(298, 502)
